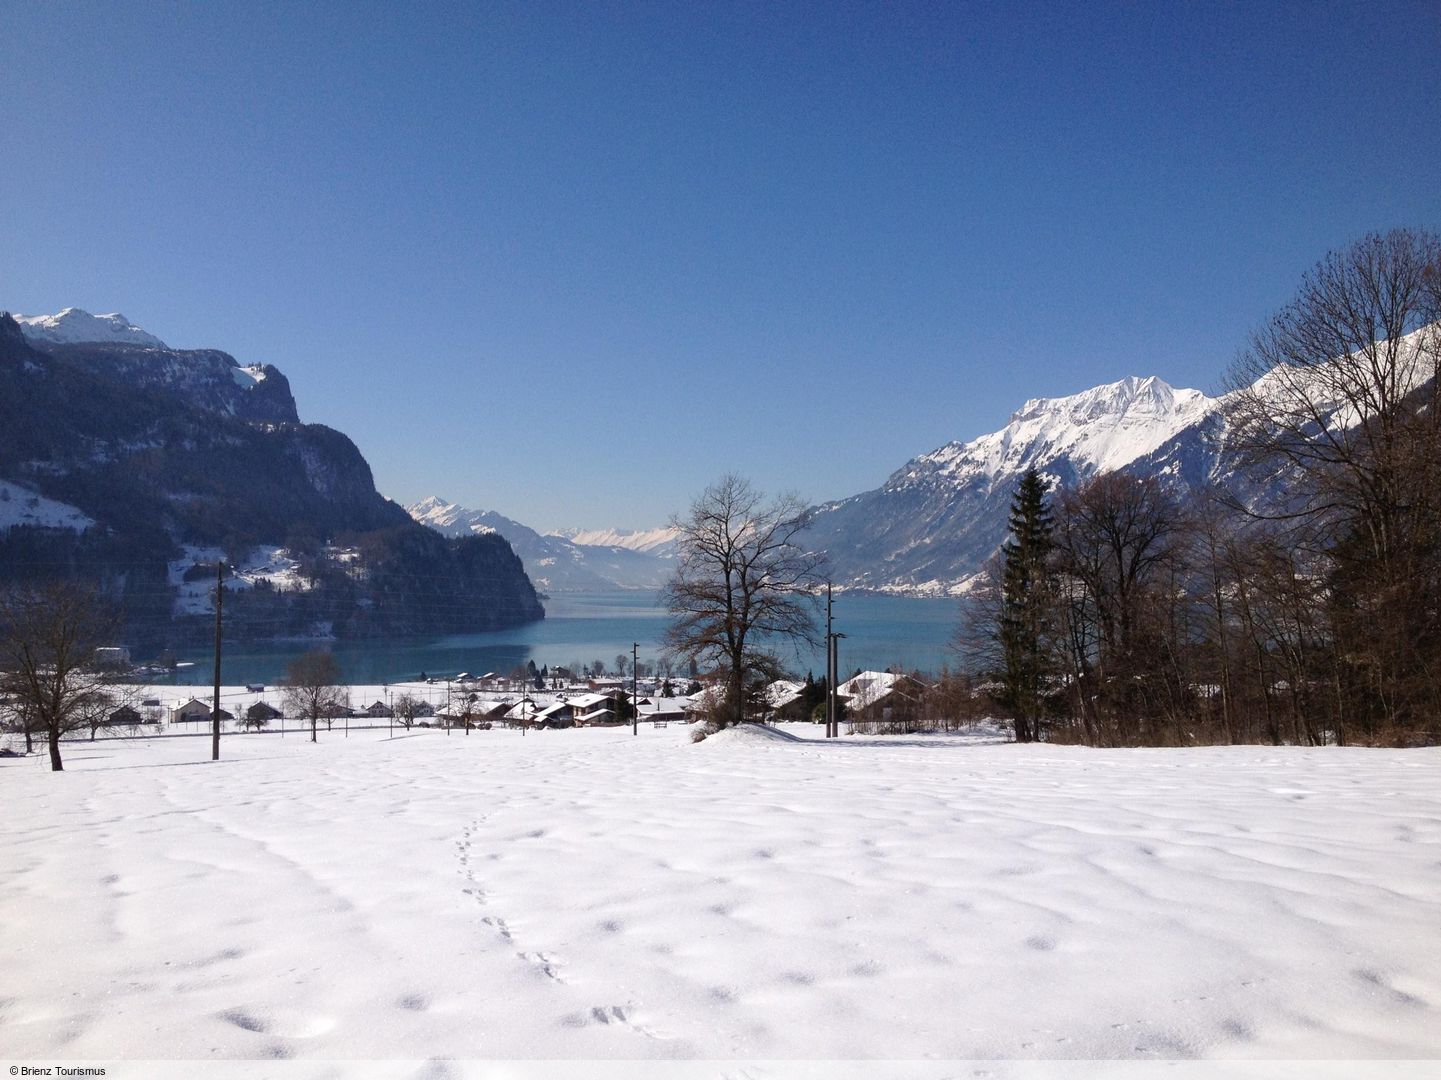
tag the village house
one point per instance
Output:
(260, 714)
(785, 700)
(195, 711)
(881, 697)
(125, 716)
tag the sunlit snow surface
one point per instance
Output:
(585, 893)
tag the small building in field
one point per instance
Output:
(190, 711)
(379, 710)
(125, 716)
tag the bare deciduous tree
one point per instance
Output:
(1342, 387)
(405, 710)
(313, 689)
(743, 586)
(48, 640)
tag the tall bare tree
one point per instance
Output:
(1342, 387)
(743, 586)
(1114, 534)
(48, 640)
(313, 689)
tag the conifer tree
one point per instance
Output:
(1026, 590)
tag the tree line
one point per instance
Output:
(1118, 614)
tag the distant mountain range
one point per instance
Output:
(131, 464)
(932, 525)
(577, 561)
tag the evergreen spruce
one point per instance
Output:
(1025, 595)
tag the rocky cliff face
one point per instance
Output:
(170, 451)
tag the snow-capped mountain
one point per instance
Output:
(660, 541)
(556, 562)
(110, 346)
(73, 325)
(931, 526)
(1098, 430)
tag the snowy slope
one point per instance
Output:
(74, 325)
(659, 541)
(763, 895)
(1097, 431)
(935, 521)
(21, 506)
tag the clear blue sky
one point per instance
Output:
(573, 262)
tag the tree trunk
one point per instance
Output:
(54, 739)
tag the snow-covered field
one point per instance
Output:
(762, 895)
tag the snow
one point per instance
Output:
(1099, 430)
(75, 325)
(761, 895)
(248, 377)
(265, 563)
(658, 541)
(21, 506)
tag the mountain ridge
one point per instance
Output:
(929, 528)
(554, 561)
(150, 454)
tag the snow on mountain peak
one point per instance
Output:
(436, 512)
(1098, 430)
(75, 325)
(650, 541)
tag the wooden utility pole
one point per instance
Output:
(830, 672)
(634, 690)
(215, 705)
(835, 696)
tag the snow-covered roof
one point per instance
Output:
(782, 692)
(869, 687)
(588, 701)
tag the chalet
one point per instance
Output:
(881, 695)
(379, 710)
(493, 711)
(262, 712)
(661, 710)
(124, 716)
(522, 712)
(560, 714)
(597, 717)
(786, 700)
(191, 711)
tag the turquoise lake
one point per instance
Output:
(581, 628)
